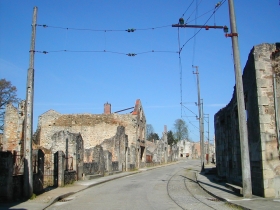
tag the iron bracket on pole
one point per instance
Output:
(231, 35)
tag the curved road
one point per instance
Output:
(170, 187)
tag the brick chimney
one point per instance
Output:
(107, 108)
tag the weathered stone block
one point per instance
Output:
(276, 186)
(261, 83)
(269, 192)
(268, 174)
(263, 100)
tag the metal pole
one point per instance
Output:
(245, 159)
(28, 125)
(200, 117)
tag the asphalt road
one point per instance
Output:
(171, 187)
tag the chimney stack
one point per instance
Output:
(165, 128)
(107, 108)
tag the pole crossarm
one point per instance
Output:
(199, 26)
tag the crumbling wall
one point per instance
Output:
(94, 161)
(13, 127)
(117, 145)
(260, 93)
(95, 128)
(72, 146)
(108, 161)
(158, 151)
(228, 156)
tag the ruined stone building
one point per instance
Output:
(157, 150)
(192, 150)
(100, 129)
(12, 139)
(185, 148)
(261, 83)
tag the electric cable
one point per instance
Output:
(102, 30)
(104, 51)
(215, 10)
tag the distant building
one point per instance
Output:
(185, 148)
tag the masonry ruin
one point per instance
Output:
(261, 83)
(70, 147)
(99, 129)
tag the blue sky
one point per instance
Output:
(81, 82)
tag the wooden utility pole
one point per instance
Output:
(28, 124)
(243, 132)
(208, 145)
(202, 133)
(200, 118)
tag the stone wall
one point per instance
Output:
(38, 171)
(6, 176)
(17, 188)
(228, 157)
(173, 153)
(115, 166)
(118, 146)
(95, 162)
(158, 151)
(108, 162)
(72, 146)
(260, 92)
(91, 168)
(69, 177)
(95, 128)
(13, 128)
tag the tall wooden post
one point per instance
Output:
(28, 124)
(243, 132)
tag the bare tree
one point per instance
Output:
(7, 95)
(149, 130)
(181, 130)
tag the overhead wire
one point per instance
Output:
(215, 10)
(189, 110)
(193, 10)
(194, 36)
(200, 16)
(187, 8)
(104, 51)
(194, 42)
(180, 62)
(191, 123)
(102, 30)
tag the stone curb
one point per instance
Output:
(218, 197)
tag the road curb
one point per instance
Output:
(218, 197)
